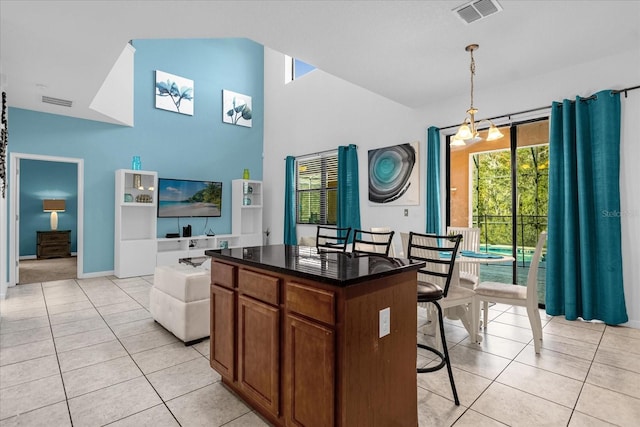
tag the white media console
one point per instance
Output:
(137, 249)
(171, 250)
(246, 225)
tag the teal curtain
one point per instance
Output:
(290, 202)
(348, 193)
(584, 254)
(433, 180)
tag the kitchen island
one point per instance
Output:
(316, 339)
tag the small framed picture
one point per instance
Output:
(174, 93)
(236, 108)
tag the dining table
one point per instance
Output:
(465, 313)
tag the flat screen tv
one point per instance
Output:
(189, 198)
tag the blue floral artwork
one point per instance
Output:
(174, 93)
(236, 108)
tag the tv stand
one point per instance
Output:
(172, 250)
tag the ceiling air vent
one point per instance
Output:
(477, 10)
(56, 101)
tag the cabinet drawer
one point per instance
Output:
(314, 303)
(259, 286)
(54, 251)
(222, 274)
(53, 238)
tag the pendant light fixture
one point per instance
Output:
(468, 132)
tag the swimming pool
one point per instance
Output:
(523, 254)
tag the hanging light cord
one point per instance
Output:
(472, 67)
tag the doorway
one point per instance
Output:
(501, 187)
(14, 233)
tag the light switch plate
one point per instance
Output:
(385, 322)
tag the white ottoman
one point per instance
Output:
(179, 300)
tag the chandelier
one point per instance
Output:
(468, 132)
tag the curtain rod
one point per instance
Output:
(625, 90)
(317, 153)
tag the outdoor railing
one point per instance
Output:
(497, 230)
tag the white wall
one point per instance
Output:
(320, 112)
(630, 204)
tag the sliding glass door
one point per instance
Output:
(501, 187)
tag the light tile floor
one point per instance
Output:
(86, 352)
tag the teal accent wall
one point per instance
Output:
(175, 145)
(41, 180)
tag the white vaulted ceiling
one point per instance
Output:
(411, 52)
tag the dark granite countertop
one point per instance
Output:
(334, 268)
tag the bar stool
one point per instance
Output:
(372, 242)
(439, 254)
(332, 238)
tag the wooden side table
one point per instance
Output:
(53, 244)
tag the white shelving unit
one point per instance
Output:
(171, 250)
(135, 222)
(246, 211)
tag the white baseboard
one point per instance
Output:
(3, 289)
(95, 274)
(27, 257)
(632, 324)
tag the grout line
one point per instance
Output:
(55, 349)
(133, 360)
(527, 347)
(119, 341)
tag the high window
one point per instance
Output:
(317, 189)
(294, 69)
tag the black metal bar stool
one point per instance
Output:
(439, 254)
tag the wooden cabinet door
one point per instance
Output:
(222, 319)
(310, 373)
(259, 352)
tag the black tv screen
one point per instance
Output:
(189, 198)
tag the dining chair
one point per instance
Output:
(392, 250)
(332, 238)
(404, 239)
(307, 241)
(469, 272)
(372, 242)
(517, 295)
(434, 286)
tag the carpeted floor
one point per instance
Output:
(46, 270)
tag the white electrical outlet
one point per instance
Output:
(385, 322)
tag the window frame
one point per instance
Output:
(295, 68)
(328, 169)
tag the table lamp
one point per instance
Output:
(54, 206)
